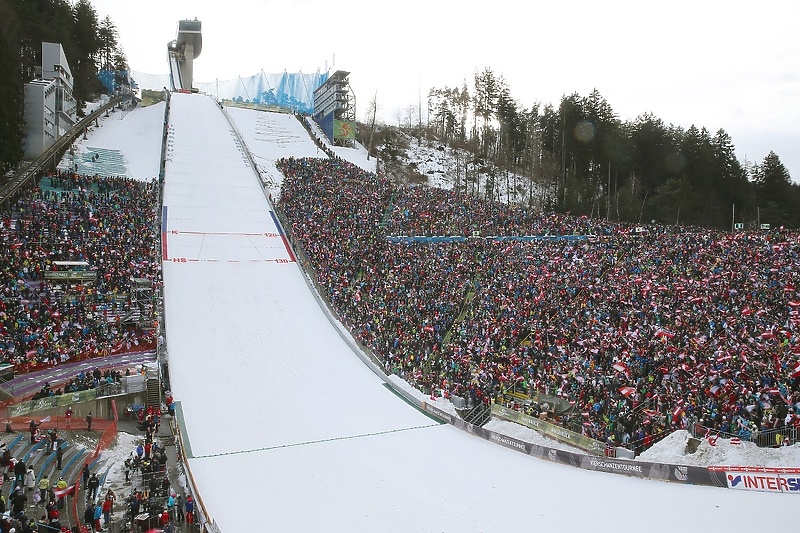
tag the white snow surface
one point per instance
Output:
(290, 430)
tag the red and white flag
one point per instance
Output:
(627, 391)
(619, 366)
(736, 440)
(60, 493)
(662, 333)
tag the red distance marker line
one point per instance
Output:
(265, 234)
(280, 260)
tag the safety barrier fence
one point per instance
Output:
(770, 438)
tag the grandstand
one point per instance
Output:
(99, 161)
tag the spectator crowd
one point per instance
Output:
(640, 332)
(83, 381)
(106, 226)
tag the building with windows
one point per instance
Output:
(335, 109)
(50, 107)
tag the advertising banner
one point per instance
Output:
(760, 479)
(508, 442)
(344, 129)
(551, 430)
(438, 413)
(69, 274)
(49, 402)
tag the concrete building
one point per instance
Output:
(50, 107)
(182, 53)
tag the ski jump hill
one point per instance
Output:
(285, 426)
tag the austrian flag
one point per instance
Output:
(796, 370)
(60, 493)
(627, 391)
(619, 366)
(662, 333)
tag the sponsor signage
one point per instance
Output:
(68, 274)
(616, 466)
(551, 430)
(49, 402)
(344, 129)
(508, 442)
(761, 479)
(438, 413)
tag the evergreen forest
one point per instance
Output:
(589, 162)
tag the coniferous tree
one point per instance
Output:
(731, 186)
(776, 196)
(109, 41)
(484, 107)
(87, 45)
(11, 96)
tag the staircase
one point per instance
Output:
(478, 415)
(153, 392)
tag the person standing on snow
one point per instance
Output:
(98, 514)
(33, 427)
(189, 508)
(85, 476)
(30, 479)
(44, 486)
(93, 485)
(19, 472)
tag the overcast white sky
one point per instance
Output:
(720, 64)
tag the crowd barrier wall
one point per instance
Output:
(102, 408)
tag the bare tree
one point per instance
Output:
(372, 110)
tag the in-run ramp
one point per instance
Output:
(290, 431)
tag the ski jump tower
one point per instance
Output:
(182, 52)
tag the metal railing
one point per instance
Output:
(770, 438)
